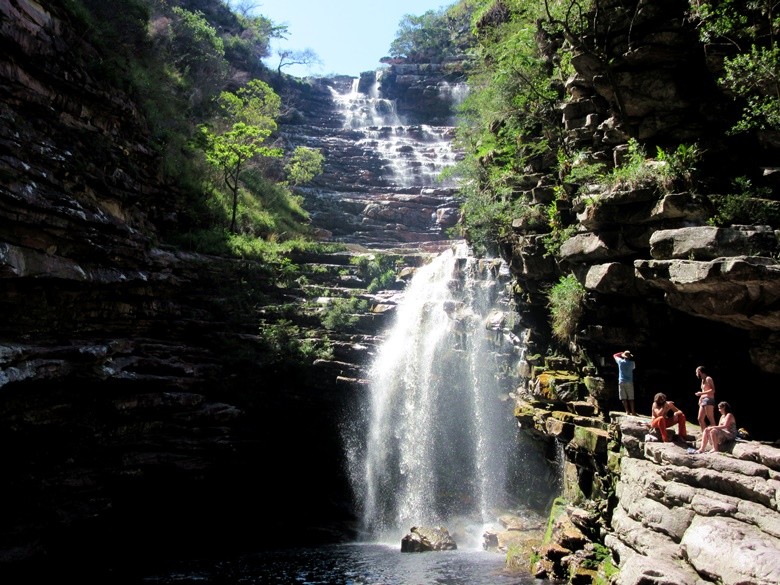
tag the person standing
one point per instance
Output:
(625, 363)
(665, 414)
(706, 398)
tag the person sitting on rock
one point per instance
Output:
(725, 431)
(666, 414)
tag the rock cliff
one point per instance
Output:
(144, 407)
(145, 411)
(659, 280)
(689, 518)
(142, 412)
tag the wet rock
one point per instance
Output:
(425, 539)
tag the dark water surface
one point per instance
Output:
(348, 564)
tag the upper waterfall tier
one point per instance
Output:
(381, 186)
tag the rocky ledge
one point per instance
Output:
(691, 519)
(673, 517)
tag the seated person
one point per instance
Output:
(724, 432)
(665, 414)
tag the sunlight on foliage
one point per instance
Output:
(287, 342)
(248, 120)
(566, 302)
(304, 164)
(378, 270)
(752, 69)
(508, 124)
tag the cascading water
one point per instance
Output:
(435, 441)
(381, 183)
(361, 110)
(416, 154)
(440, 436)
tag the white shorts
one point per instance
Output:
(626, 390)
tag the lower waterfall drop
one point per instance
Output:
(440, 437)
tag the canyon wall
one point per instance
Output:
(141, 410)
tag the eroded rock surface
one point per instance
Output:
(696, 518)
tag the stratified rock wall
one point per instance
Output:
(660, 280)
(143, 412)
(676, 291)
(695, 518)
(385, 142)
(144, 409)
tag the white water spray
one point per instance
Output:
(439, 431)
(416, 155)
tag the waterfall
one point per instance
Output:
(439, 434)
(361, 110)
(434, 441)
(414, 155)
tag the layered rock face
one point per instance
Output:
(675, 290)
(692, 518)
(668, 515)
(143, 410)
(660, 279)
(383, 156)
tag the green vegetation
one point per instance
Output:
(304, 164)
(560, 229)
(248, 119)
(288, 343)
(431, 36)
(378, 270)
(558, 507)
(606, 569)
(509, 127)
(195, 50)
(747, 205)
(175, 62)
(751, 74)
(566, 301)
(666, 172)
(342, 313)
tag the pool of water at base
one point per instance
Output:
(347, 564)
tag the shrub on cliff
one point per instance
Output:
(566, 299)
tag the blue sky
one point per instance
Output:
(349, 36)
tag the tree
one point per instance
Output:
(288, 57)
(751, 73)
(245, 7)
(248, 119)
(422, 38)
(304, 164)
(196, 50)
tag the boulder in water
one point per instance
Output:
(423, 539)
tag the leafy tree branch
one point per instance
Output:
(248, 120)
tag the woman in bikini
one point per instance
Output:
(725, 431)
(706, 398)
